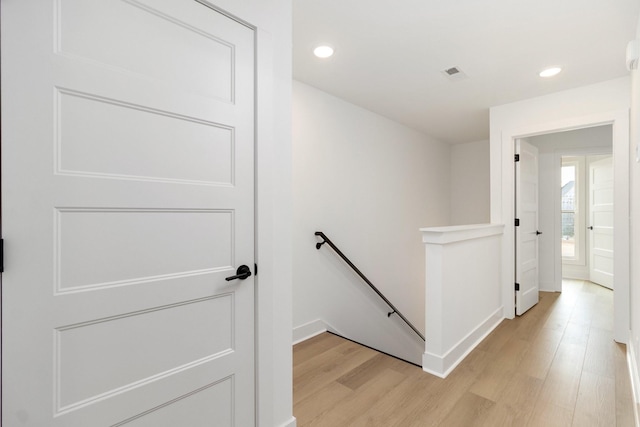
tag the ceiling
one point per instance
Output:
(389, 55)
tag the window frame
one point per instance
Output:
(578, 162)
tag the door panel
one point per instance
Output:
(127, 199)
(211, 402)
(92, 146)
(526, 232)
(90, 355)
(601, 220)
(180, 47)
(162, 235)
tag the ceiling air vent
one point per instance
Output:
(454, 73)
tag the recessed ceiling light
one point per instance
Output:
(323, 51)
(550, 72)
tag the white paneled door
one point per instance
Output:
(601, 220)
(526, 212)
(127, 199)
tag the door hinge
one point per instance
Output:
(1, 255)
(517, 287)
(516, 157)
(517, 222)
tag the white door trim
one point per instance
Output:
(273, 295)
(502, 195)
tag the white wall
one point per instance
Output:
(368, 183)
(450, 291)
(634, 342)
(551, 148)
(470, 183)
(274, 207)
(602, 103)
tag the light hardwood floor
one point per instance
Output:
(555, 366)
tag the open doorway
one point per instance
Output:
(586, 217)
(540, 118)
(566, 194)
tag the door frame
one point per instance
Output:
(273, 245)
(503, 201)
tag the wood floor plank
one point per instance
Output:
(555, 366)
(469, 410)
(600, 358)
(476, 362)
(356, 404)
(576, 332)
(402, 399)
(360, 375)
(513, 406)
(318, 361)
(437, 402)
(327, 367)
(500, 415)
(548, 414)
(321, 402)
(557, 321)
(624, 395)
(562, 383)
(500, 335)
(532, 322)
(314, 346)
(596, 405)
(519, 396)
(603, 319)
(537, 361)
(496, 376)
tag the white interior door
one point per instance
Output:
(527, 231)
(601, 220)
(127, 199)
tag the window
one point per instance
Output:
(569, 207)
(573, 208)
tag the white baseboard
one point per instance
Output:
(632, 363)
(547, 287)
(310, 330)
(443, 365)
(291, 423)
(576, 272)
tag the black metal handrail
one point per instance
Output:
(367, 281)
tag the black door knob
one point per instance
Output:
(590, 227)
(241, 273)
(538, 233)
